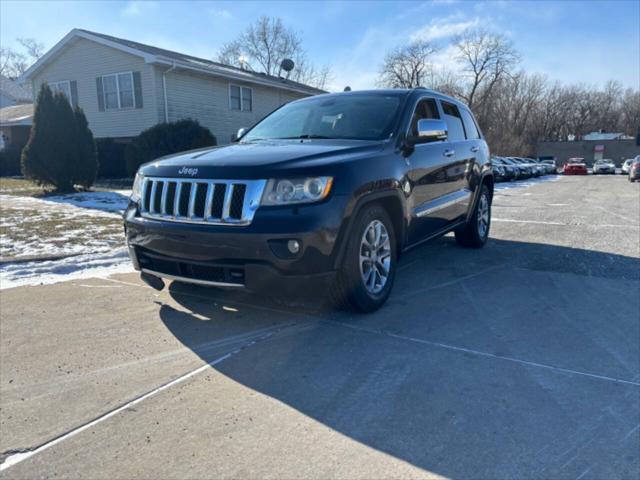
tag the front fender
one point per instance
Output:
(381, 192)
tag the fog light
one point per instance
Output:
(293, 246)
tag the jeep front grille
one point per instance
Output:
(211, 202)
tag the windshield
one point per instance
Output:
(358, 117)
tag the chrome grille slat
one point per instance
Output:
(176, 202)
(192, 200)
(226, 205)
(152, 199)
(208, 203)
(143, 197)
(236, 210)
(163, 199)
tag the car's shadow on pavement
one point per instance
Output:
(503, 374)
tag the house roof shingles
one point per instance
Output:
(202, 63)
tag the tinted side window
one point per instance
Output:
(469, 125)
(425, 109)
(454, 122)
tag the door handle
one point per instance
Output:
(475, 149)
(449, 153)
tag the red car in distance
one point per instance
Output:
(575, 166)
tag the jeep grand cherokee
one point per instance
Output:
(329, 189)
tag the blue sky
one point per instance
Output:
(579, 42)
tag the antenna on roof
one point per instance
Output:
(286, 65)
(242, 60)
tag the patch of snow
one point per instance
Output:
(86, 223)
(111, 201)
(71, 268)
(101, 202)
(526, 183)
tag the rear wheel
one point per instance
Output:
(366, 277)
(476, 231)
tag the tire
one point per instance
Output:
(350, 290)
(476, 231)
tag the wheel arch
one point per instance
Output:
(488, 180)
(394, 204)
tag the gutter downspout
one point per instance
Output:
(164, 91)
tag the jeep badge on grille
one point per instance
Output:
(188, 171)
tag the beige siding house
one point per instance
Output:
(125, 87)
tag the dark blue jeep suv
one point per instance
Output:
(329, 189)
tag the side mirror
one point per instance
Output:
(241, 132)
(429, 130)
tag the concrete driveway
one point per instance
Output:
(520, 360)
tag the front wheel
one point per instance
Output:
(475, 232)
(366, 277)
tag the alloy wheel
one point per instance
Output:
(483, 216)
(375, 257)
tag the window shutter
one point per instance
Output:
(100, 94)
(137, 88)
(74, 93)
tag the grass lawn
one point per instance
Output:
(24, 187)
(19, 186)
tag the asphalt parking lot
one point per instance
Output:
(521, 360)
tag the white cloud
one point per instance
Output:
(441, 28)
(221, 13)
(137, 7)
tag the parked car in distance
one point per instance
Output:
(541, 169)
(498, 171)
(634, 170)
(604, 166)
(575, 167)
(327, 190)
(509, 172)
(521, 171)
(528, 169)
(626, 166)
(553, 168)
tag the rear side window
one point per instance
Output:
(454, 122)
(470, 125)
(426, 109)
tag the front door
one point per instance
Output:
(436, 176)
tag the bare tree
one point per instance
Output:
(33, 48)
(630, 112)
(263, 46)
(408, 66)
(485, 58)
(14, 63)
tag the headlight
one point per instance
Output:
(301, 190)
(136, 190)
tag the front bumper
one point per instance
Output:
(255, 257)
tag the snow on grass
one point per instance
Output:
(60, 225)
(70, 268)
(86, 227)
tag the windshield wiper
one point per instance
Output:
(306, 136)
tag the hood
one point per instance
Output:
(259, 159)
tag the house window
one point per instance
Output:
(118, 91)
(240, 98)
(62, 87)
